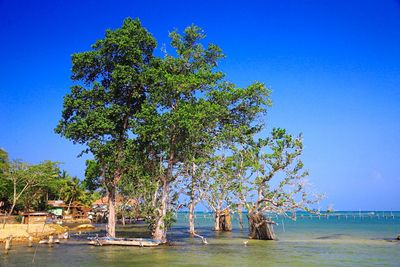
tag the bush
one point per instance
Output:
(18, 218)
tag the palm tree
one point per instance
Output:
(71, 191)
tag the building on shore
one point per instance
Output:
(73, 211)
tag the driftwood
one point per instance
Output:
(260, 227)
(203, 239)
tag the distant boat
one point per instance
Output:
(137, 242)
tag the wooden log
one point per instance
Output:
(203, 239)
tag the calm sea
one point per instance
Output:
(335, 239)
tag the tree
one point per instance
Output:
(279, 182)
(192, 182)
(4, 183)
(241, 164)
(219, 187)
(24, 177)
(3, 161)
(228, 183)
(71, 190)
(100, 110)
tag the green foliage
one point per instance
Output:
(18, 218)
(92, 181)
(29, 183)
(279, 175)
(3, 161)
(220, 183)
(34, 184)
(169, 219)
(111, 84)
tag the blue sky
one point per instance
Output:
(333, 66)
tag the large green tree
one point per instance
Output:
(100, 110)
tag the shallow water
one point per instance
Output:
(342, 239)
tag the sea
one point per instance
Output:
(341, 238)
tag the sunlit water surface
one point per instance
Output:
(342, 239)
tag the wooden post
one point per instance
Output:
(51, 240)
(8, 244)
(30, 240)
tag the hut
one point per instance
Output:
(56, 207)
(74, 210)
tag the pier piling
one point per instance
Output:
(8, 244)
(30, 241)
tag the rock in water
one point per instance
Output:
(398, 237)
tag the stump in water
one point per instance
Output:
(225, 221)
(260, 227)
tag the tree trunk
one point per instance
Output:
(69, 205)
(191, 218)
(15, 198)
(260, 227)
(160, 229)
(111, 212)
(225, 221)
(240, 213)
(216, 220)
(9, 213)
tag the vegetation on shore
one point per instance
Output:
(28, 187)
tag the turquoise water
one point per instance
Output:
(340, 239)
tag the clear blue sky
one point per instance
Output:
(333, 66)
